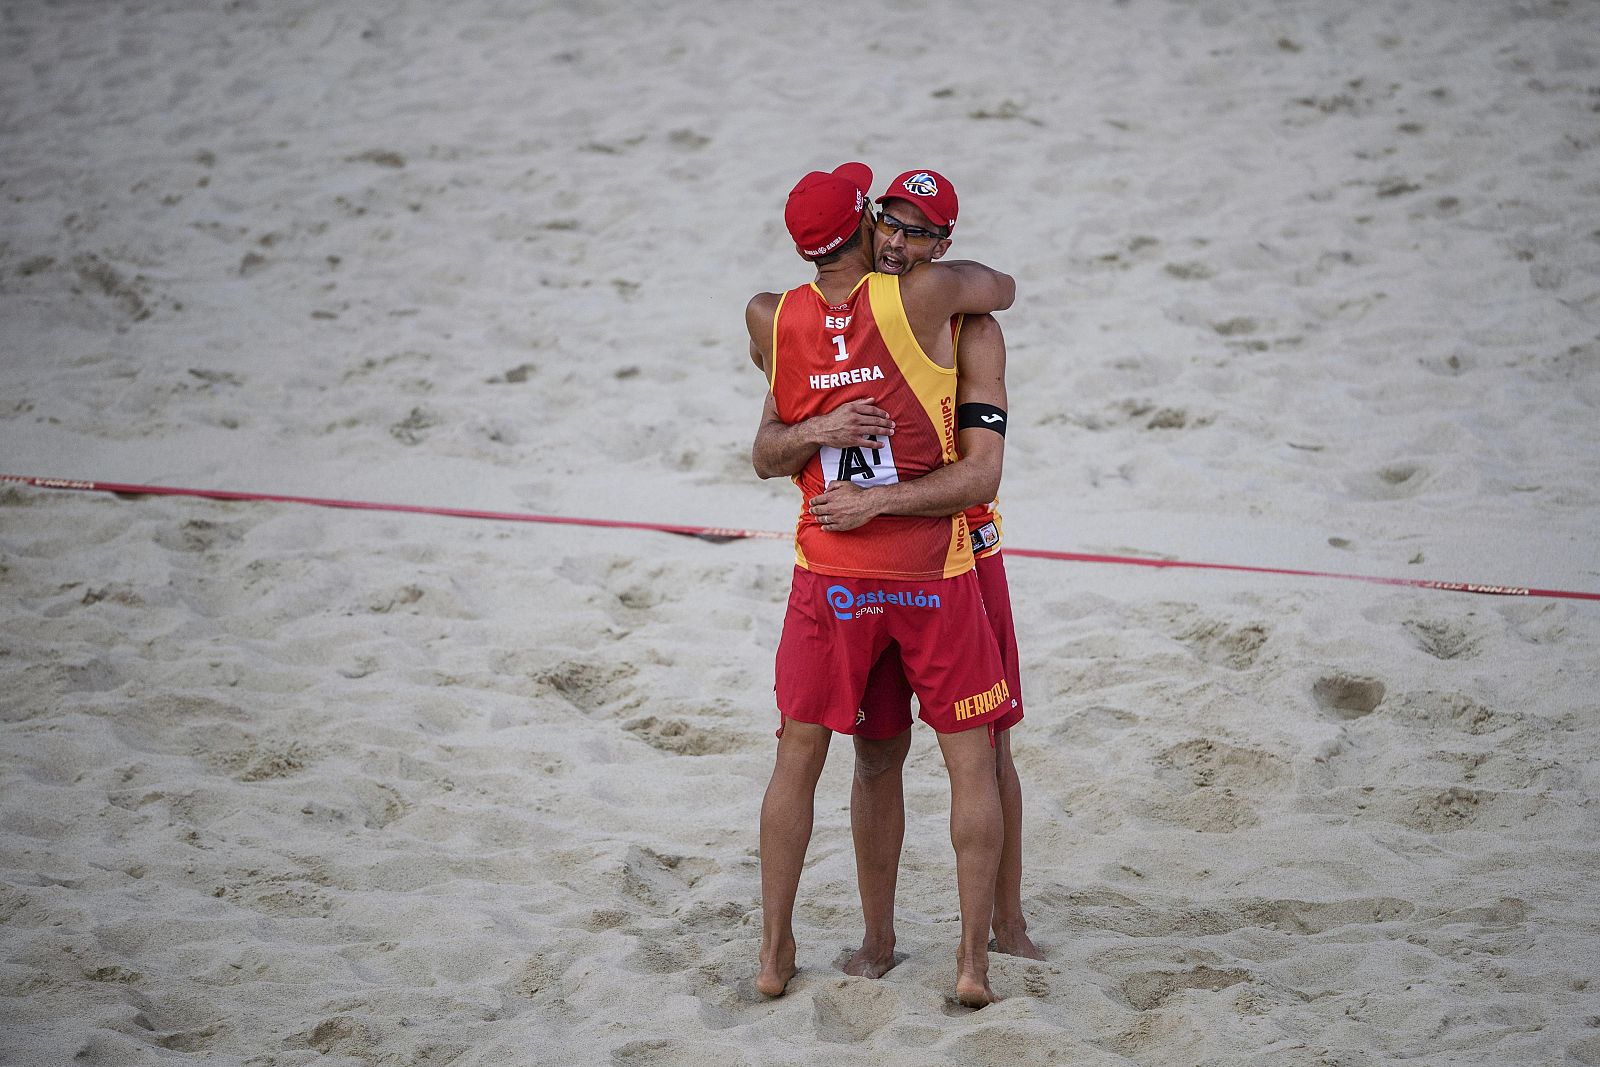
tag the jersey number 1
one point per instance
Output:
(842, 354)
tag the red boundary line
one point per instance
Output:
(723, 534)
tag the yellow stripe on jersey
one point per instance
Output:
(934, 385)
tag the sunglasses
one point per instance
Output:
(888, 226)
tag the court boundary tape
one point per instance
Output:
(723, 534)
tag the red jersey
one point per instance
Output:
(824, 355)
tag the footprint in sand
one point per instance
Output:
(1207, 762)
(682, 944)
(256, 759)
(200, 535)
(1348, 696)
(725, 987)
(1397, 481)
(1444, 639)
(1448, 809)
(659, 880)
(590, 687)
(682, 738)
(1035, 983)
(131, 297)
(1151, 988)
(1217, 642)
(1315, 917)
(1450, 711)
(543, 980)
(340, 1034)
(660, 953)
(847, 1011)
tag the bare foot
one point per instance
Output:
(871, 961)
(777, 967)
(974, 992)
(1014, 941)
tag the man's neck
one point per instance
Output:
(837, 280)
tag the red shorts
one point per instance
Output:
(837, 628)
(886, 704)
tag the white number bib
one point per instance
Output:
(863, 466)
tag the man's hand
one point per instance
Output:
(853, 423)
(844, 506)
(782, 448)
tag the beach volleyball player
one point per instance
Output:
(904, 580)
(918, 214)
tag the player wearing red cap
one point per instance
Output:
(856, 336)
(919, 212)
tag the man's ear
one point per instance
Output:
(941, 248)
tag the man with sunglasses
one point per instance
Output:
(882, 347)
(918, 213)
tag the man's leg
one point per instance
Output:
(1010, 928)
(976, 828)
(786, 814)
(878, 826)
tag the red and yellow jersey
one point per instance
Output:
(983, 520)
(824, 355)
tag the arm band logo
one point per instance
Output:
(981, 417)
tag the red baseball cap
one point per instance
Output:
(930, 191)
(824, 209)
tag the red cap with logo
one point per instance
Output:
(824, 209)
(930, 191)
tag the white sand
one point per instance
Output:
(1303, 285)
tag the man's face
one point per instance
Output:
(894, 251)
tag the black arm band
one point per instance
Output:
(981, 417)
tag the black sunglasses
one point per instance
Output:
(888, 225)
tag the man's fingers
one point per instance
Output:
(865, 406)
(866, 427)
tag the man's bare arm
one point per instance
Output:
(972, 479)
(782, 449)
(936, 291)
(759, 316)
(982, 285)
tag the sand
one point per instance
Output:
(1308, 286)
